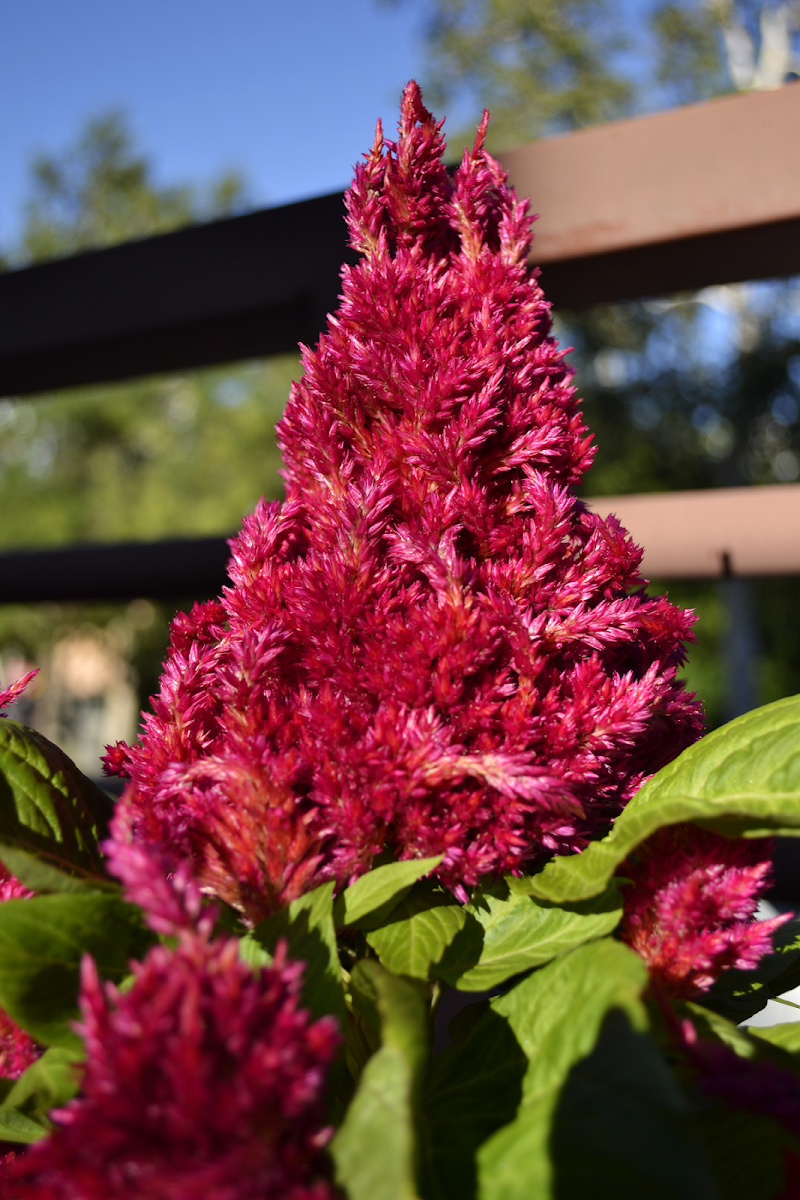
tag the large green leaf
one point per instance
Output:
(739, 994)
(49, 1083)
(418, 932)
(514, 1058)
(370, 900)
(375, 1150)
(42, 942)
(16, 1127)
(632, 1123)
(306, 926)
(507, 932)
(51, 815)
(555, 1015)
(470, 1090)
(786, 1035)
(742, 779)
(744, 1150)
(502, 932)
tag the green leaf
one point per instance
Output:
(506, 933)
(739, 994)
(786, 1035)
(741, 780)
(48, 1083)
(375, 1150)
(420, 929)
(633, 1123)
(41, 877)
(556, 1015)
(16, 1127)
(745, 1150)
(371, 899)
(42, 942)
(515, 1057)
(51, 815)
(470, 1090)
(306, 925)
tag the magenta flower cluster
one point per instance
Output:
(205, 1079)
(690, 906)
(431, 647)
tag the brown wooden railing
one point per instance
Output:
(684, 199)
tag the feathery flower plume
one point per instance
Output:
(10, 694)
(205, 1079)
(431, 646)
(690, 906)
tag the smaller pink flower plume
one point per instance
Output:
(10, 694)
(204, 1080)
(690, 906)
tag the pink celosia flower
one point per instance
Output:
(431, 645)
(690, 906)
(10, 694)
(204, 1080)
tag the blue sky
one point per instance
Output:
(287, 92)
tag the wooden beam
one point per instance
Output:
(713, 533)
(726, 164)
(686, 535)
(693, 196)
(193, 568)
(682, 199)
(232, 289)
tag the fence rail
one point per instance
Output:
(697, 196)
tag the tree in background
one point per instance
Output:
(101, 191)
(158, 457)
(706, 49)
(540, 67)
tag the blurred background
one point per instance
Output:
(123, 121)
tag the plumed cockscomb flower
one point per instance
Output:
(14, 691)
(203, 1080)
(431, 646)
(689, 909)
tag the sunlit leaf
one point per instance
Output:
(418, 931)
(375, 1149)
(16, 1127)
(506, 933)
(306, 926)
(48, 1083)
(742, 779)
(786, 1035)
(371, 899)
(51, 815)
(515, 1057)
